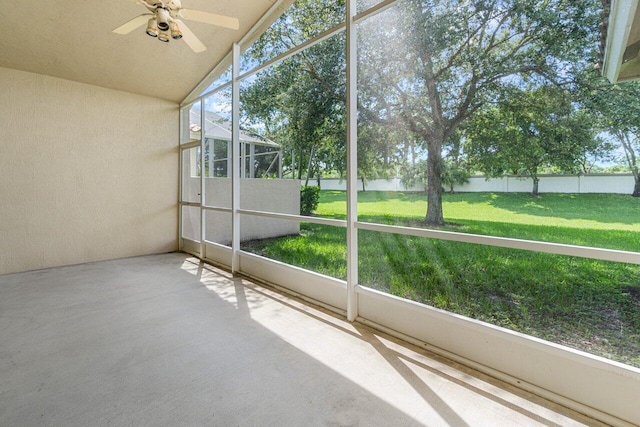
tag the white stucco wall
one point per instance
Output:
(86, 173)
(269, 195)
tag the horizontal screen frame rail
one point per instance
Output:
(511, 243)
(299, 218)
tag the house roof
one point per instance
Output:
(216, 127)
(73, 40)
(620, 40)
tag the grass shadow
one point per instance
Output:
(582, 303)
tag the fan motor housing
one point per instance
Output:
(163, 18)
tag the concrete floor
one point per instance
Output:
(167, 340)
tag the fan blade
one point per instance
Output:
(190, 39)
(147, 3)
(136, 22)
(210, 18)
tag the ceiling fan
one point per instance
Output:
(162, 22)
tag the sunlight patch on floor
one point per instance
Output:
(421, 385)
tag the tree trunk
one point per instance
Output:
(309, 163)
(405, 151)
(536, 180)
(363, 184)
(434, 183)
(413, 150)
(299, 165)
(630, 155)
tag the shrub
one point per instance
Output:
(309, 198)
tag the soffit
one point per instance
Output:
(73, 40)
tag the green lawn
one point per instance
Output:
(586, 304)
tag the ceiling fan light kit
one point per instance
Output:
(152, 28)
(176, 34)
(164, 23)
(164, 37)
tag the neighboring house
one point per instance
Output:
(260, 157)
(263, 157)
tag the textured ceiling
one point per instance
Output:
(73, 40)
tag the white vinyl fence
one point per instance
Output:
(596, 183)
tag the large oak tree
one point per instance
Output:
(429, 65)
(425, 67)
